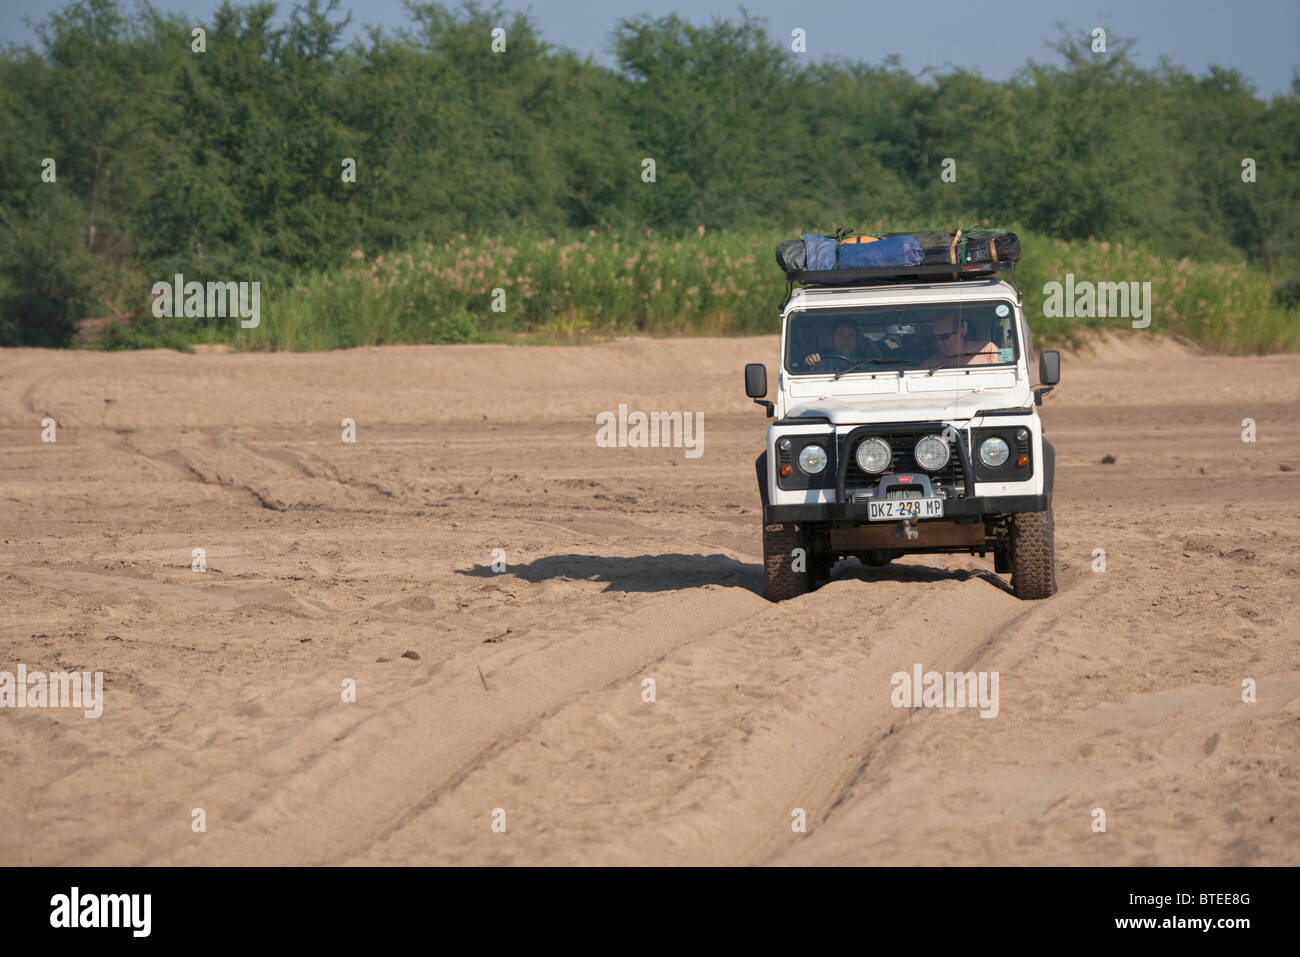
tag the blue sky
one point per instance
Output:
(1257, 37)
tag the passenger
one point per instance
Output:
(953, 349)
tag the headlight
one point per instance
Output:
(874, 455)
(812, 459)
(994, 452)
(931, 453)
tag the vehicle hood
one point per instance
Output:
(904, 408)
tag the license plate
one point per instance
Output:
(898, 509)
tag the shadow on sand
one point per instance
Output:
(654, 573)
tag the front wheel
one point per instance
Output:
(785, 549)
(1033, 554)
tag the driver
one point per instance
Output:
(844, 343)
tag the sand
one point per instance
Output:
(518, 697)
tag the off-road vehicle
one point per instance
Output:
(906, 422)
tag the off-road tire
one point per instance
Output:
(1002, 558)
(1033, 559)
(820, 566)
(780, 581)
(820, 557)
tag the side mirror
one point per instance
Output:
(756, 386)
(1049, 367)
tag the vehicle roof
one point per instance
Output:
(819, 297)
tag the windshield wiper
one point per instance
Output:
(869, 362)
(944, 365)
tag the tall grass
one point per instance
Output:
(1225, 307)
(595, 285)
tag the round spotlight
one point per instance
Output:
(931, 453)
(874, 456)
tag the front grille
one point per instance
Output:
(902, 443)
(904, 493)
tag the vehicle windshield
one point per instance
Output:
(877, 339)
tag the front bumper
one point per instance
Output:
(952, 508)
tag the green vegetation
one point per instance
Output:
(522, 171)
(600, 284)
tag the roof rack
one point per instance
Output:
(894, 275)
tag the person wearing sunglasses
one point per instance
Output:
(952, 348)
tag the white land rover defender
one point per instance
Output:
(905, 423)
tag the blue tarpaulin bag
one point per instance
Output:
(888, 253)
(821, 252)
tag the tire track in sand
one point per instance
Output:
(342, 783)
(751, 721)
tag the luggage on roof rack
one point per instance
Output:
(819, 254)
(973, 246)
(897, 251)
